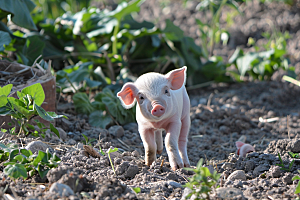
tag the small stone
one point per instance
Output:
(61, 189)
(122, 168)
(237, 175)
(260, 169)
(249, 165)
(224, 129)
(132, 171)
(229, 193)
(71, 142)
(132, 127)
(116, 131)
(36, 146)
(228, 165)
(172, 176)
(174, 184)
(294, 145)
(274, 172)
(135, 153)
(66, 124)
(287, 178)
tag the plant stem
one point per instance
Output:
(114, 46)
(291, 80)
(111, 163)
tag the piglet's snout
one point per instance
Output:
(158, 110)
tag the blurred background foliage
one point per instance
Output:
(96, 46)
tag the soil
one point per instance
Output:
(263, 114)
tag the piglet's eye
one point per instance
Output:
(141, 97)
(166, 91)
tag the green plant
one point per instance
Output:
(87, 141)
(105, 109)
(297, 190)
(262, 64)
(27, 106)
(109, 151)
(294, 155)
(21, 161)
(283, 166)
(202, 182)
(211, 32)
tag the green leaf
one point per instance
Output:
(54, 115)
(36, 91)
(13, 153)
(25, 152)
(16, 171)
(244, 62)
(172, 32)
(5, 40)
(82, 103)
(86, 138)
(5, 90)
(20, 11)
(32, 49)
(42, 172)
(124, 9)
(137, 189)
(97, 119)
(297, 190)
(3, 102)
(54, 130)
(112, 150)
(42, 156)
(42, 113)
(19, 158)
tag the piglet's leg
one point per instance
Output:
(171, 142)
(159, 141)
(183, 138)
(148, 138)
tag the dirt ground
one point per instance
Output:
(263, 114)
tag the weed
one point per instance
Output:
(22, 161)
(87, 140)
(27, 106)
(297, 190)
(202, 182)
(109, 151)
(283, 166)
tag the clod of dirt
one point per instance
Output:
(55, 174)
(76, 181)
(36, 146)
(274, 172)
(237, 175)
(61, 190)
(116, 131)
(260, 169)
(229, 193)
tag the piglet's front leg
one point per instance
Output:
(171, 142)
(148, 138)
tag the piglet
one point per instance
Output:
(243, 149)
(162, 103)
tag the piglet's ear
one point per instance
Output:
(127, 95)
(239, 144)
(177, 78)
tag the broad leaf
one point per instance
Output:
(36, 91)
(25, 152)
(124, 9)
(42, 156)
(42, 113)
(97, 119)
(54, 130)
(5, 90)
(16, 171)
(32, 49)
(42, 172)
(20, 11)
(82, 103)
(5, 39)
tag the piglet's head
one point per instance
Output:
(153, 93)
(243, 149)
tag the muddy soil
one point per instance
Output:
(263, 114)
